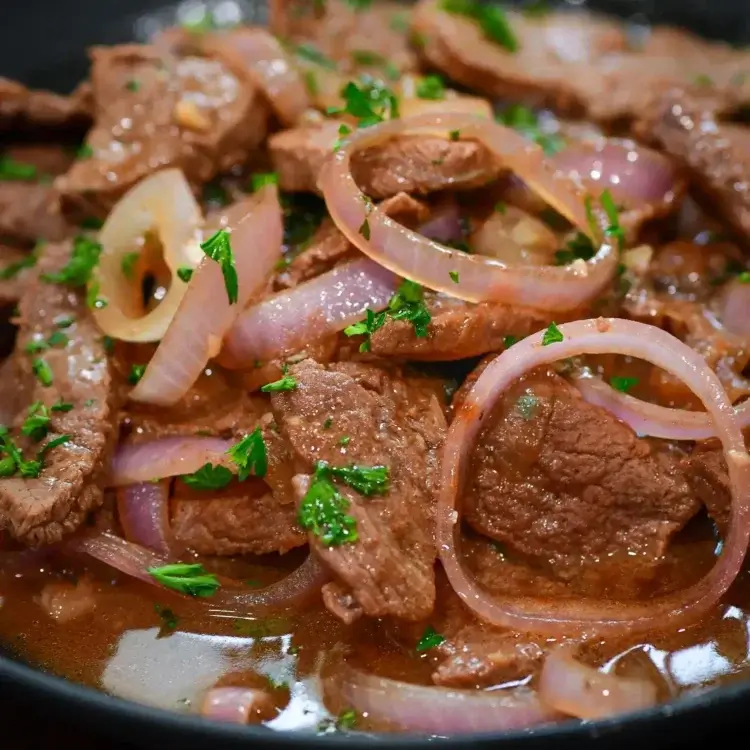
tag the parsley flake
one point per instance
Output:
(312, 54)
(13, 269)
(579, 247)
(623, 383)
(323, 511)
(43, 372)
(552, 335)
(136, 373)
(185, 274)
(208, 477)
(63, 406)
(287, 383)
(127, 264)
(454, 276)
(430, 639)
(85, 152)
(259, 179)
(431, 87)
(250, 455)
(219, 249)
(192, 580)
(491, 18)
(36, 424)
(77, 271)
(364, 230)
(508, 341)
(454, 135)
(12, 170)
(369, 103)
(525, 121)
(133, 85)
(527, 405)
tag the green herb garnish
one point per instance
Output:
(623, 383)
(323, 511)
(13, 269)
(527, 405)
(43, 372)
(208, 477)
(85, 152)
(369, 103)
(136, 373)
(219, 249)
(168, 617)
(63, 406)
(312, 54)
(250, 455)
(186, 578)
(525, 121)
(579, 247)
(552, 335)
(491, 18)
(36, 424)
(259, 179)
(610, 209)
(58, 338)
(431, 87)
(287, 383)
(133, 85)
(454, 276)
(12, 170)
(77, 271)
(430, 639)
(127, 264)
(185, 274)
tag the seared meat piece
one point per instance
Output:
(389, 569)
(155, 110)
(707, 475)
(409, 164)
(13, 282)
(48, 158)
(41, 510)
(22, 108)
(30, 211)
(563, 481)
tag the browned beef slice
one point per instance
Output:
(409, 164)
(48, 158)
(22, 108)
(577, 62)
(717, 153)
(12, 283)
(42, 510)
(155, 110)
(561, 480)
(707, 475)
(389, 570)
(339, 31)
(30, 211)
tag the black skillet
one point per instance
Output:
(42, 43)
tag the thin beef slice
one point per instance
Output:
(42, 510)
(156, 110)
(24, 109)
(30, 211)
(708, 477)
(14, 273)
(389, 570)
(564, 482)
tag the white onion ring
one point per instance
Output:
(166, 457)
(233, 705)
(311, 311)
(297, 590)
(559, 617)
(413, 256)
(143, 510)
(161, 203)
(586, 693)
(205, 315)
(436, 710)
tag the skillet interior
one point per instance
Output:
(42, 44)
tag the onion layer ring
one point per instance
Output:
(601, 336)
(143, 510)
(481, 278)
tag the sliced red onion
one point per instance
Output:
(735, 308)
(435, 710)
(558, 617)
(297, 590)
(235, 705)
(166, 457)
(311, 311)
(143, 510)
(444, 225)
(205, 315)
(582, 691)
(481, 278)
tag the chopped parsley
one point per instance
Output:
(219, 249)
(312, 54)
(527, 405)
(127, 264)
(215, 194)
(136, 373)
(367, 480)
(311, 83)
(36, 424)
(10, 169)
(185, 274)
(58, 338)
(190, 579)
(133, 85)
(610, 209)
(454, 276)
(369, 103)
(108, 343)
(508, 341)
(623, 383)
(346, 719)
(63, 406)
(344, 130)
(364, 230)
(77, 271)
(359, 4)
(344, 440)
(93, 300)
(13, 269)
(580, 247)
(91, 222)
(35, 346)
(168, 617)
(323, 511)
(208, 477)
(552, 335)
(703, 80)
(430, 638)
(367, 57)
(744, 277)
(43, 372)
(250, 455)
(14, 464)
(454, 135)
(287, 383)
(491, 18)
(399, 22)
(535, 8)
(64, 322)
(259, 179)
(327, 424)
(501, 208)
(85, 152)
(525, 121)
(431, 87)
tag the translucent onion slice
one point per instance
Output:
(235, 705)
(162, 204)
(482, 278)
(205, 315)
(559, 617)
(143, 510)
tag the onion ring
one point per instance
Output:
(205, 314)
(601, 336)
(143, 510)
(162, 203)
(427, 262)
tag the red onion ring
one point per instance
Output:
(436, 710)
(481, 278)
(234, 704)
(205, 315)
(143, 510)
(295, 591)
(555, 618)
(582, 691)
(735, 308)
(166, 457)
(325, 305)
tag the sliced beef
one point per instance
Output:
(13, 274)
(22, 108)
(30, 211)
(389, 569)
(577, 62)
(155, 110)
(563, 481)
(48, 158)
(708, 477)
(409, 164)
(42, 510)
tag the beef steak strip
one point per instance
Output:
(12, 286)
(389, 570)
(409, 164)
(195, 113)
(563, 481)
(29, 212)
(42, 510)
(706, 473)
(23, 109)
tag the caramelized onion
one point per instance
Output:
(311, 311)
(235, 705)
(143, 510)
(481, 278)
(162, 204)
(205, 314)
(586, 693)
(602, 336)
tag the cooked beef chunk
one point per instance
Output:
(155, 110)
(42, 510)
(717, 153)
(707, 475)
(30, 211)
(22, 108)
(458, 329)
(577, 63)
(12, 281)
(343, 33)
(48, 158)
(563, 481)
(409, 164)
(389, 569)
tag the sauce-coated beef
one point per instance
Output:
(21, 107)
